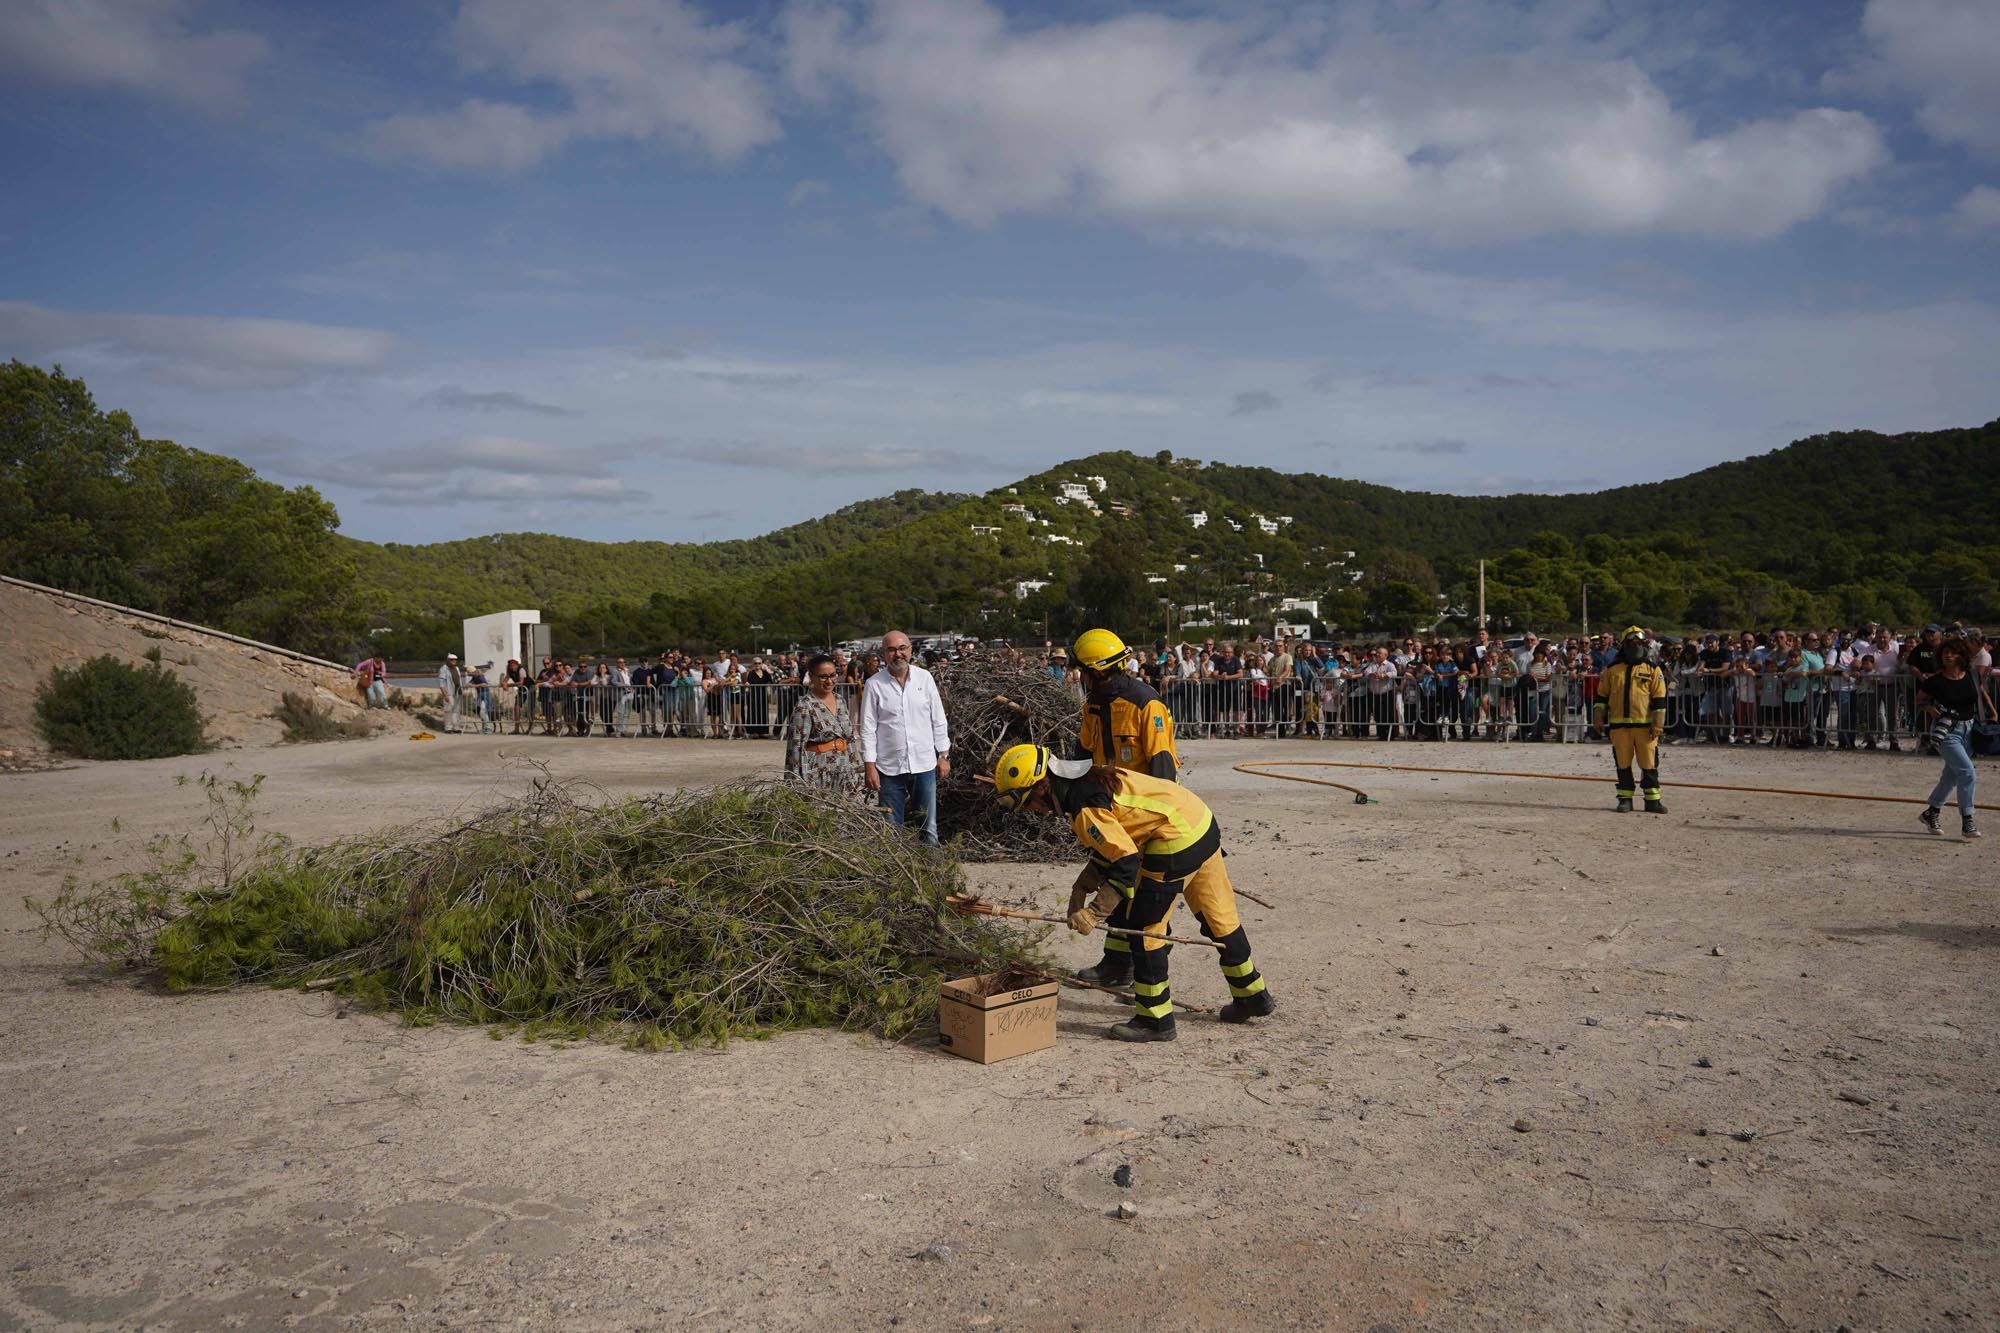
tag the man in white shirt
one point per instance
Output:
(1888, 662)
(451, 684)
(1525, 654)
(905, 747)
(724, 666)
(1380, 673)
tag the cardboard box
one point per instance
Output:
(996, 1016)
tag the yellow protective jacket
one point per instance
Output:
(1125, 725)
(1632, 696)
(1138, 826)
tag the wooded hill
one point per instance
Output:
(538, 569)
(1832, 528)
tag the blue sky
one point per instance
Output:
(657, 268)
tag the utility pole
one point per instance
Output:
(1586, 610)
(1482, 594)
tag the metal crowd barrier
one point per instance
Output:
(1797, 709)
(1334, 705)
(745, 711)
(1785, 710)
(1803, 710)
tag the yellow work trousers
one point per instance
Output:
(1209, 895)
(1635, 746)
(1209, 892)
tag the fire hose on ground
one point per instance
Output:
(1253, 768)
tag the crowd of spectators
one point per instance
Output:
(1849, 688)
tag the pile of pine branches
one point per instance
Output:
(990, 707)
(740, 910)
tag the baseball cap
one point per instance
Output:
(451, 657)
(1934, 628)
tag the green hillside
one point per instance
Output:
(536, 569)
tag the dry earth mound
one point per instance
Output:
(238, 685)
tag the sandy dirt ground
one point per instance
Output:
(1535, 1066)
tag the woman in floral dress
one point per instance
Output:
(821, 746)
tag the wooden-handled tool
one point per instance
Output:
(971, 906)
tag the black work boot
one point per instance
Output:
(1624, 805)
(1108, 972)
(1656, 807)
(1248, 1007)
(1143, 1029)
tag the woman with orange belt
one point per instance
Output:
(821, 749)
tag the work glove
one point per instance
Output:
(1087, 883)
(1083, 920)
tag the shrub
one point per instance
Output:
(107, 709)
(305, 719)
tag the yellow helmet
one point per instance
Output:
(1100, 650)
(1020, 768)
(1632, 632)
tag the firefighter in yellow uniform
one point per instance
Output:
(1125, 725)
(1632, 706)
(1150, 843)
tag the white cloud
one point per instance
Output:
(146, 46)
(806, 190)
(1946, 55)
(648, 70)
(509, 453)
(380, 275)
(817, 458)
(480, 468)
(1530, 311)
(1107, 402)
(1979, 210)
(451, 396)
(476, 135)
(754, 379)
(198, 351)
(1282, 131)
